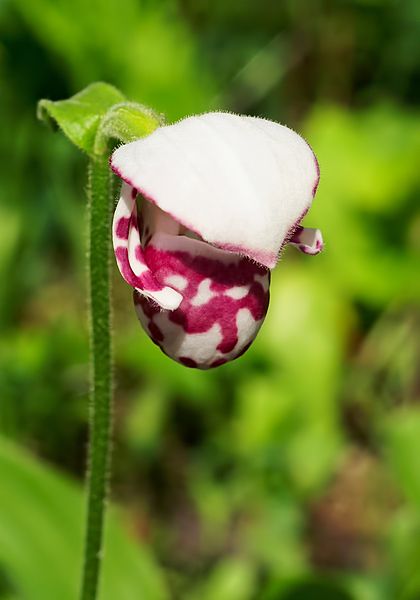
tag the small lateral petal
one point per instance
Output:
(130, 257)
(307, 240)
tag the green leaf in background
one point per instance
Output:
(79, 116)
(147, 49)
(366, 201)
(303, 333)
(402, 439)
(41, 538)
(232, 579)
(400, 436)
(316, 589)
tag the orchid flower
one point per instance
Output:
(206, 206)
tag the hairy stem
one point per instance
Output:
(100, 198)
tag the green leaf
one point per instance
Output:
(97, 114)
(126, 122)
(79, 117)
(41, 517)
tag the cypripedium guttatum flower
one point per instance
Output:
(206, 206)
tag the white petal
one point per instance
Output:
(130, 257)
(241, 183)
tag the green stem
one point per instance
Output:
(100, 198)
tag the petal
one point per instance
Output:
(130, 256)
(225, 299)
(307, 240)
(240, 183)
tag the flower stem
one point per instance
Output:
(100, 197)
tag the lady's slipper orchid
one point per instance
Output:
(221, 195)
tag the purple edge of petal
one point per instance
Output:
(318, 173)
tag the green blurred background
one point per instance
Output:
(294, 472)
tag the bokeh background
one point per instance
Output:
(294, 472)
